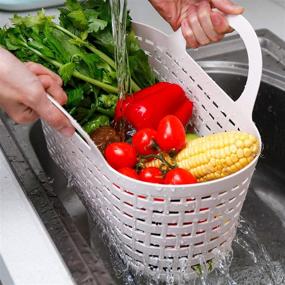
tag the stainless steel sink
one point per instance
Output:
(67, 220)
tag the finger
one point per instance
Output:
(204, 12)
(188, 34)
(21, 114)
(194, 23)
(53, 89)
(220, 23)
(227, 7)
(55, 118)
(39, 69)
(37, 100)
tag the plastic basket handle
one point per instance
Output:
(245, 30)
(73, 122)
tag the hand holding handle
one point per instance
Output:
(245, 30)
(73, 122)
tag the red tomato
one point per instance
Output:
(143, 141)
(171, 134)
(120, 154)
(130, 172)
(151, 174)
(179, 176)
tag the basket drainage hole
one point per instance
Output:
(169, 257)
(127, 214)
(174, 74)
(215, 104)
(168, 54)
(173, 212)
(199, 86)
(203, 106)
(157, 199)
(214, 238)
(153, 256)
(232, 122)
(157, 211)
(207, 95)
(174, 201)
(129, 204)
(190, 199)
(219, 125)
(206, 197)
(216, 227)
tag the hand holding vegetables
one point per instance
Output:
(23, 90)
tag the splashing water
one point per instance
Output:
(259, 268)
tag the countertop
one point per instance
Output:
(28, 256)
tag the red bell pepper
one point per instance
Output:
(145, 108)
(123, 103)
(184, 112)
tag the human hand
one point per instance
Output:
(23, 89)
(201, 21)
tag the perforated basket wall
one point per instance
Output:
(186, 222)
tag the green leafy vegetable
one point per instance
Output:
(96, 122)
(198, 267)
(75, 96)
(81, 50)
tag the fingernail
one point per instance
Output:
(68, 132)
(237, 6)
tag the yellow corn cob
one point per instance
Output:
(215, 156)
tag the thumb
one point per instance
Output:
(220, 23)
(54, 117)
(227, 7)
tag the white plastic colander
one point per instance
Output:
(190, 222)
